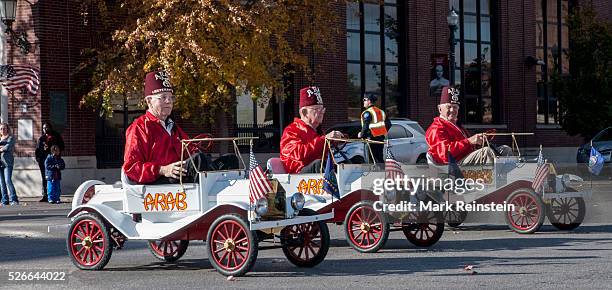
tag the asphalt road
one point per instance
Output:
(501, 259)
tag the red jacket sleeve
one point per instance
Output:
(441, 141)
(134, 164)
(294, 148)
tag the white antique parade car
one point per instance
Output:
(366, 229)
(509, 180)
(216, 209)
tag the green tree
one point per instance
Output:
(209, 47)
(585, 95)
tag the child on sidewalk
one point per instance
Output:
(53, 165)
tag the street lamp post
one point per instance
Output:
(8, 13)
(8, 10)
(453, 21)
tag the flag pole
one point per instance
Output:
(323, 155)
(248, 174)
(589, 162)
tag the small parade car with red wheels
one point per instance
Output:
(216, 209)
(510, 181)
(366, 227)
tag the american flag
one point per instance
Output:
(541, 172)
(20, 77)
(393, 169)
(259, 185)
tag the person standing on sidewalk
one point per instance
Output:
(7, 146)
(54, 165)
(49, 138)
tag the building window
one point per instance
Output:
(256, 118)
(372, 55)
(552, 42)
(474, 66)
(110, 131)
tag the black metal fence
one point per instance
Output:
(109, 152)
(269, 137)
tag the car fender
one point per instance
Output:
(122, 222)
(77, 199)
(421, 148)
(198, 229)
(341, 207)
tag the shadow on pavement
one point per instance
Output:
(183, 264)
(12, 249)
(407, 265)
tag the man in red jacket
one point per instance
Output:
(153, 141)
(444, 135)
(301, 145)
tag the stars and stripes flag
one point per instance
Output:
(393, 169)
(24, 77)
(541, 172)
(259, 185)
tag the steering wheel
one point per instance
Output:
(202, 145)
(337, 147)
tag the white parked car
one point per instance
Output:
(407, 139)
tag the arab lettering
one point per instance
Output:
(165, 201)
(311, 186)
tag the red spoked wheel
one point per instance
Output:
(528, 214)
(425, 228)
(566, 213)
(168, 251)
(305, 245)
(366, 229)
(89, 243)
(232, 247)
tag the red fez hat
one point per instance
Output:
(157, 82)
(310, 96)
(449, 95)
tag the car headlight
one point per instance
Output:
(297, 201)
(261, 206)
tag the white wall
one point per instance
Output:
(28, 181)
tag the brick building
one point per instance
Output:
(401, 42)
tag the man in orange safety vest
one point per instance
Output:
(374, 126)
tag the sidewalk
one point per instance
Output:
(31, 205)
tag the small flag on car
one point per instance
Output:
(393, 169)
(541, 172)
(330, 184)
(453, 168)
(259, 184)
(596, 161)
